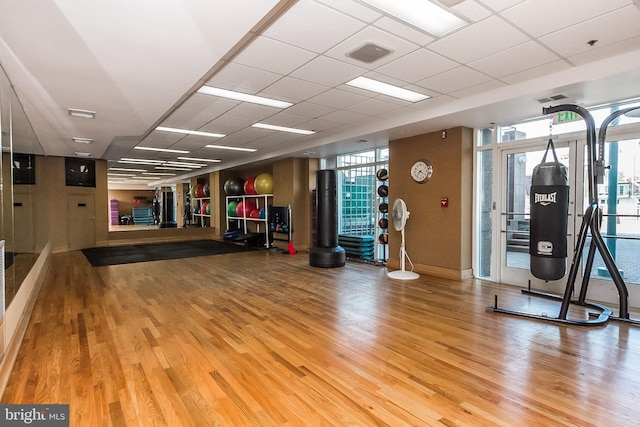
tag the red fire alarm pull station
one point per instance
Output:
(444, 202)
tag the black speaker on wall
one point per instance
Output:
(327, 253)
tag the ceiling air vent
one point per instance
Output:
(369, 53)
(551, 99)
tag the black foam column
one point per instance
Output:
(327, 253)
(326, 182)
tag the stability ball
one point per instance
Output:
(244, 208)
(264, 183)
(234, 187)
(249, 186)
(231, 208)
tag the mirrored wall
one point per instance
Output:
(18, 189)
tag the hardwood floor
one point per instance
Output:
(263, 339)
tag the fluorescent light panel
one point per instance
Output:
(159, 173)
(387, 89)
(82, 140)
(127, 170)
(238, 96)
(185, 164)
(422, 14)
(163, 150)
(283, 129)
(85, 114)
(168, 168)
(196, 159)
(190, 132)
(224, 147)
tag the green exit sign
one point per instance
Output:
(565, 117)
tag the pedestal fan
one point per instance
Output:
(399, 216)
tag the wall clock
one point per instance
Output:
(421, 171)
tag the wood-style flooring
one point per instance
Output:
(263, 339)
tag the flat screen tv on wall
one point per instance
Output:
(80, 172)
(24, 169)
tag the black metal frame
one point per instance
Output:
(590, 222)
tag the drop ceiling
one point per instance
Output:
(139, 67)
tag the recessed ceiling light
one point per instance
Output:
(82, 140)
(169, 168)
(190, 132)
(85, 114)
(185, 164)
(422, 14)
(119, 174)
(387, 89)
(159, 173)
(225, 147)
(163, 150)
(200, 160)
(283, 129)
(239, 96)
(82, 154)
(144, 177)
(127, 170)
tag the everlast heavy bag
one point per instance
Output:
(549, 217)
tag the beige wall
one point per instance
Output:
(438, 240)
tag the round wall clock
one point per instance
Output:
(421, 171)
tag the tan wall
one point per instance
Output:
(55, 195)
(438, 240)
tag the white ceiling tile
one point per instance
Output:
(597, 54)
(417, 65)
(515, 59)
(454, 80)
(343, 116)
(534, 72)
(273, 55)
(227, 124)
(328, 71)
(243, 78)
(478, 40)
(499, 5)
(402, 30)
(337, 98)
(353, 8)
(320, 125)
(477, 89)
(295, 90)
(539, 17)
(305, 26)
(607, 29)
(373, 107)
(396, 45)
(252, 111)
(286, 119)
(471, 10)
(309, 109)
(198, 110)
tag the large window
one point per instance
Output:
(358, 198)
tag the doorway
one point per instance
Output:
(81, 221)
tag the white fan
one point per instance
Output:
(399, 216)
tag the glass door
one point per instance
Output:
(516, 170)
(619, 199)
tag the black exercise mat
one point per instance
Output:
(129, 254)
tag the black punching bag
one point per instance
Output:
(327, 253)
(549, 217)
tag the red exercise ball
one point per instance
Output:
(244, 208)
(249, 186)
(254, 214)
